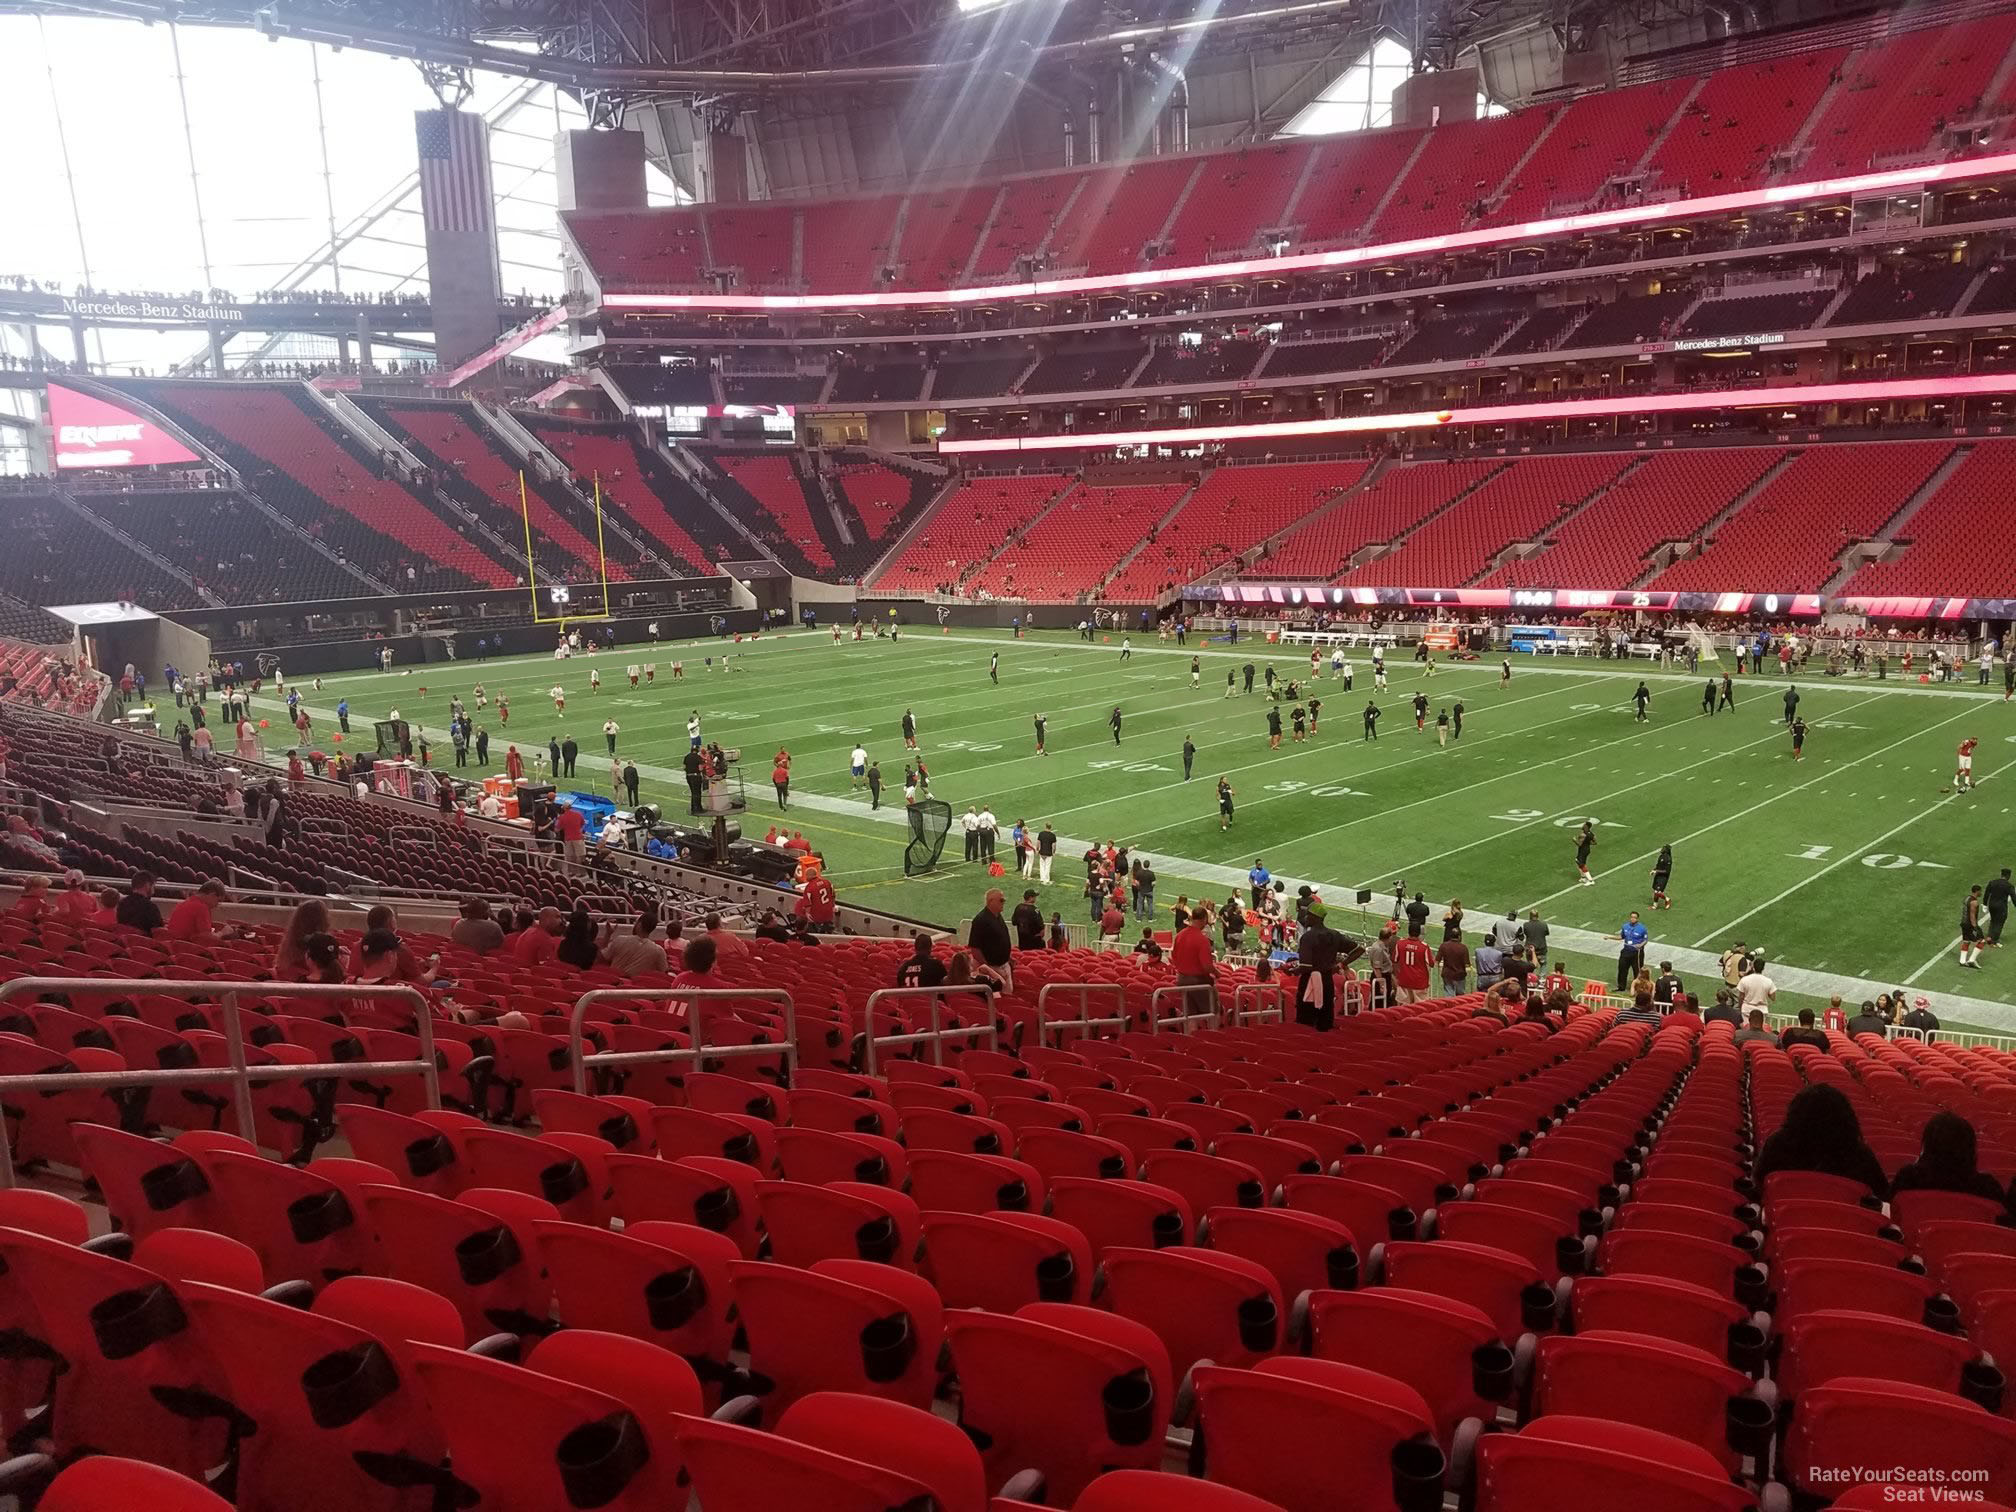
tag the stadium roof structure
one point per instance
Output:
(616, 53)
(841, 96)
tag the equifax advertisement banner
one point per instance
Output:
(91, 432)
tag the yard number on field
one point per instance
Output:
(1564, 821)
(1877, 860)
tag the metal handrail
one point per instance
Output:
(239, 1073)
(1185, 1019)
(1375, 992)
(936, 1035)
(1259, 992)
(1084, 1023)
(698, 1049)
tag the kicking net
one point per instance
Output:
(930, 823)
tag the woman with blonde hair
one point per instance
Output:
(34, 900)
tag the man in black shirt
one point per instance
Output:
(1420, 711)
(874, 784)
(137, 908)
(1046, 848)
(923, 969)
(1042, 725)
(1868, 1021)
(987, 936)
(695, 781)
(1248, 671)
(1997, 896)
(1371, 720)
(1273, 729)
(1723, 1011)
(1667, 987)
(1189, 755)
(1920, 1018)
(1028, 922)
(1708, 697)
(1803, 1033)
(570, 752)
(1114, 721)
(1728, 698)
(1417, 914)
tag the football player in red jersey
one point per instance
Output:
(1963, 776)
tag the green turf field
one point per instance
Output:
(1848, 868)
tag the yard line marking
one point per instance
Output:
(1855, 854)
(1429, 755)
(1944, 953)
(1583, 940)
(1639, 860)
(1584, 803)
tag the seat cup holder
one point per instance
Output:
(1982, 1383)
(1259, 1324)
(597, 1460)
(1341, 1268)
(1537, 1306)
(1748, 1421)
(1491, 1371)
(1419, 1470)
(1128, 1402)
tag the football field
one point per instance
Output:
(1847, 868)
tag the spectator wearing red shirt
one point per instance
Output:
(698, 971)
(1112, 921)
(1412, 959)
(34, 900)
(193, 919)
(571, 825)
(817, 907)
(536, 946)
(1195, 962)
(76, 902)
(726, 942)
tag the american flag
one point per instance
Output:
(454, 170)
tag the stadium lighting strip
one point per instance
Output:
(1507, 414)
(1343, 257)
